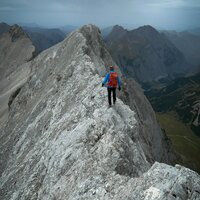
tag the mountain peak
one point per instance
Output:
(147, 29)
(17, 32)
(90, 29)
(118, 28)
(4, 28)
(3, 24)
(117, 32)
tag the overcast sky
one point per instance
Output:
(163, 14)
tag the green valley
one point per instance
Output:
(178, 110)
(185, 142)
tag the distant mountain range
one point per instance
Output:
(106, 31)
(145, 54)
(44, 38)
(188, 44)
(195, 31)
(68, 28)
(28, 24)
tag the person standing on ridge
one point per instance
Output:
(111, 81)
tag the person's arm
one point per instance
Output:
(119, 81)
(105, 79)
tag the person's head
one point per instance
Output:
(112, 68)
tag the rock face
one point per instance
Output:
(15, 49)
(145, 54)
(62, 141)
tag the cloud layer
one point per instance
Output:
(169, 14)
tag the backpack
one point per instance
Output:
(113, 80)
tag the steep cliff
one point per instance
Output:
(15, 49)
(62, 142)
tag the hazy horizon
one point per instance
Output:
(168, 14)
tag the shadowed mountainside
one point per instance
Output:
(189, 45)
(145, 54)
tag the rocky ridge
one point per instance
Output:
(62, 142)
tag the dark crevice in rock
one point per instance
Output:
(13, 96)
(174, 195)
(58, 78)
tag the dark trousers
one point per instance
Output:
(113, 92)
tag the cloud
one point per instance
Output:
(6, 8)
(167, 13)
(169, 3)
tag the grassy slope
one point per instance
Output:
(184, 140)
